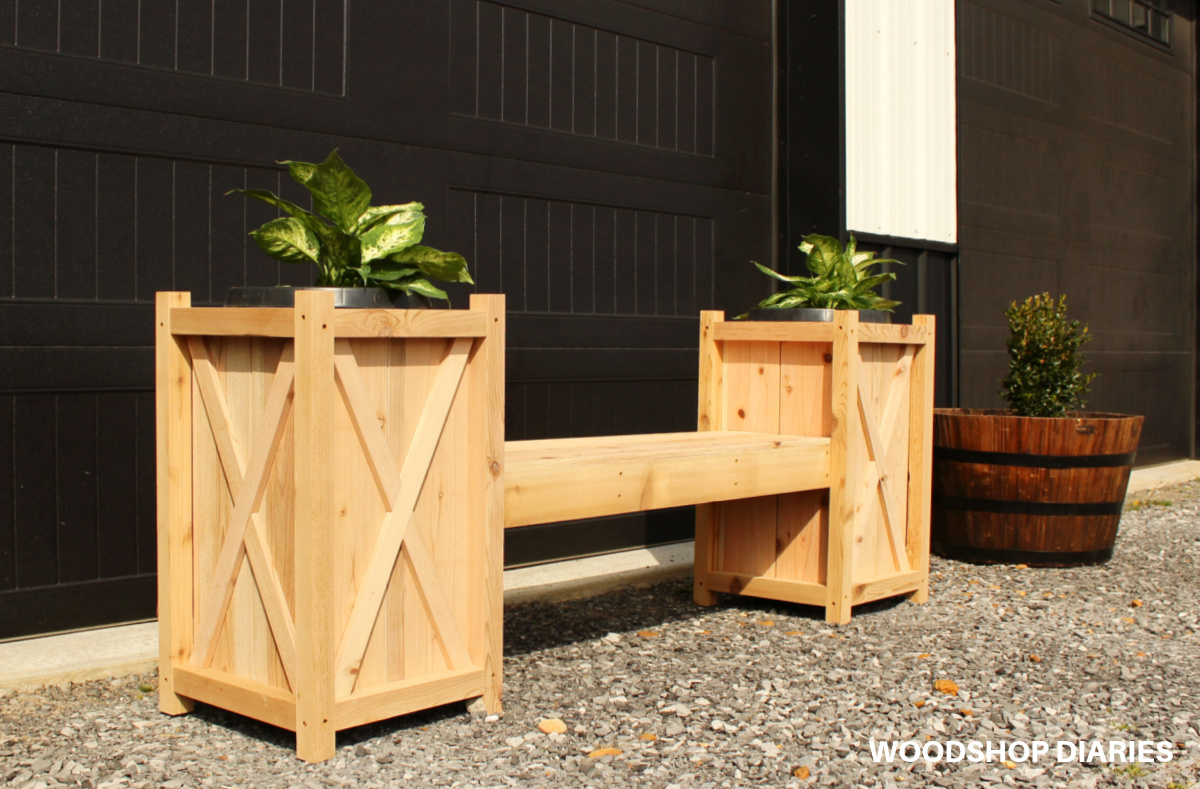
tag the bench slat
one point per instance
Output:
(553, 480)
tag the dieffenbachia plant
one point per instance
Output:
(840, 279)
(353, 243)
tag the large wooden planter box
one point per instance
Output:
(860, 534)
(330, 510)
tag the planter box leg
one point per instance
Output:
(487, 457)
(845, 447)
(313, 408)
(920, 458)
(173, 407)
(709, 417)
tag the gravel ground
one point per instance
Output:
(647, 689)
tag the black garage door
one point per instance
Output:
(604, 163)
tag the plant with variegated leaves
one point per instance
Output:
(351, 242)
(841, 279)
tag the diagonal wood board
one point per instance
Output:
(401, 489)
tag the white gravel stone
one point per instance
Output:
(717, 700)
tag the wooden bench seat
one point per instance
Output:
(571, 478)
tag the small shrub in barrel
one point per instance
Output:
(1040, 483)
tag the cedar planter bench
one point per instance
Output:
(810, 467)
(333, 488)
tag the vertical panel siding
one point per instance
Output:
(8, 533)
(605, 261)
(1077, 157)
(76, 488)
(900, 119)
(267, 42)
(522, 68)
(114, 226)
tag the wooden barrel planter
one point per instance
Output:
(1038, 491)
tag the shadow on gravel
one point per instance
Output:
(394, 728)
(531, 627)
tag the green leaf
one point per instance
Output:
(390, 271)
(301, 172)
(376, 214)
(770, 272)
(436, 264)
(425, 288)
(399, 231)
(270, 198)
(824, 253)
(288, 239)
(338, 194)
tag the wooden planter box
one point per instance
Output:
(334, 485)
(861, 533)
(330, 511)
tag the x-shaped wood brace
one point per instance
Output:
(877, 479)
(400, 489)
(246, 481)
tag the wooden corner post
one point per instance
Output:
(845, 449)
(173, 431)
(920, 455)
(315, 400)
(486, 381)
(710, 417)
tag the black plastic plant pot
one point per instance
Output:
(816, 315)
(343, 298)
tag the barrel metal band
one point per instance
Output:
(1005, 507)
(1033, 461)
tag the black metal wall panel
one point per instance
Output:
(607, 164)
(1076, 175)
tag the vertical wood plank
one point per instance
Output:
(802, 532)
(485, 633)
(315, 399)
(399, 429)
(421, 652)
(920, 455)
(359, 509)
(746, 539)
(277, 508)
(173, 420)
(709, 417)
(212, 505)
(868, 520)
(845, 450)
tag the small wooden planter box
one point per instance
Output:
(330, 511)
(861, 535)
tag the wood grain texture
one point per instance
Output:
(242, 695)
(747, 526)
(173, 418)
(845, 452)
(315, 400)
(402, 490)
(920, 456)
(240, 322)
(277, 322)
(485, 630)
(800, 592)
(409, 695)
(556, 480)
(266, 578)
(411, 323)
(1048, 538)
(802, 527)
(773, 331)
(216, 599)
(710, 417)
